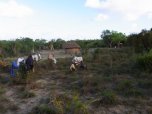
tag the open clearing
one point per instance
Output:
(109, 86)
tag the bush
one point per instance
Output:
(127, 88)
(62, 104)
(108, 97)
(76, 106)
(124, 85)
(73, 106)
(144, 62)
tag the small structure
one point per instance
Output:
(71, 48)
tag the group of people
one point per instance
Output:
(28, 63)
(77, 62)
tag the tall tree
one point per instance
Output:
(142, 41)
(113, 38)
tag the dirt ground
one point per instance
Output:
(58, 54)
(41, 91)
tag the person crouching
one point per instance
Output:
(29, 63)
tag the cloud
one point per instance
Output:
(150, 15)
(92, 3)
(131, 9)
(101, 17)
(134, 26)
(10, 8)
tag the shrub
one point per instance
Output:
(76, 106)
(67, 105)
(61, 104)
(108, 97)
(124, 85)
(144, 62)
(96, 53)
(127, 88)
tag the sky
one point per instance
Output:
(72, 19)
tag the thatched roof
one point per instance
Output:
(70, 45)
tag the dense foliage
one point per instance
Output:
(20, 46)
(144, 62)
(142, 41)
(113, 38)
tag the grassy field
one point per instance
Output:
(112, 84)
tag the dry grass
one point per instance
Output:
(109, 81)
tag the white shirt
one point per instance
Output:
(19, 60)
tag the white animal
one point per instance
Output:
(36, 56)
(77, 60)
(72, 67)
(54, 60)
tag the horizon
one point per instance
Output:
(71, 20)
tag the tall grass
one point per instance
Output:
(62, 104)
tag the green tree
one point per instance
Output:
(39, 43)
(141, 42)
(113, 38)
(57, 44)
(106, 36)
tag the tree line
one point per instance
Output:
(140, 42)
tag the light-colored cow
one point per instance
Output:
(77, 60)
(36, 56)
(52, 58)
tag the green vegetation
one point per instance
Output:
(141, 42)
(62, 104)
(113, 38)
(108, 98)
(144, 62)
(115, 76)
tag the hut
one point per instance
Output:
(71, 48)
